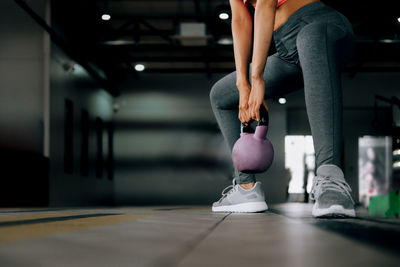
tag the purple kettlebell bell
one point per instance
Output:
(253, 152)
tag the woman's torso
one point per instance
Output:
(285, 10)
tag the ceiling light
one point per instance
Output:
(223, 15)
(396, 164)
(282, 100)
(117, 42)
(387, 41)
(398, 19)
(139, 67)
(105, 17)
(225, 41)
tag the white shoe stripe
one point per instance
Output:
(242, 207)
(332, 211)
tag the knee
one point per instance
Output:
(224, 93)
(216, 94)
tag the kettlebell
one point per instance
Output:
(253, 152)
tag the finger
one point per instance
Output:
(254, 113)
(247, 118)
(241, 117)
(249, 113)
(244, 120)
(253, 116)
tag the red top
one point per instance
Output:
(280, 2)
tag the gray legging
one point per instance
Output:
(312, 47)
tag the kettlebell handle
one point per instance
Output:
(264, 121)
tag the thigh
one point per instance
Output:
(281, 77)
(324, 48)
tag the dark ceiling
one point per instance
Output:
(147, 32)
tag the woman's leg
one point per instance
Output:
(280, 76)
(323, 49)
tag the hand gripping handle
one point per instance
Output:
(251, 127)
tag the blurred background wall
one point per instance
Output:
(81, 114)
(22, 89)
(37, 80)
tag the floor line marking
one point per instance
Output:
(23, 232)
(53, 219)
(37, 216)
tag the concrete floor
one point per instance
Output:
(194, 236)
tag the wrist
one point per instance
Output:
(243, 85)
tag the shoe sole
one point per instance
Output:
(332, 212)
(243, 207)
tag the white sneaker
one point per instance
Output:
(237, 199)
(331, 193)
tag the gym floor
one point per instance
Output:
(286, 235)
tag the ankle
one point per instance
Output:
(247, 186)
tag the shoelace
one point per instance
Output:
(228, 190)
(322, 183)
